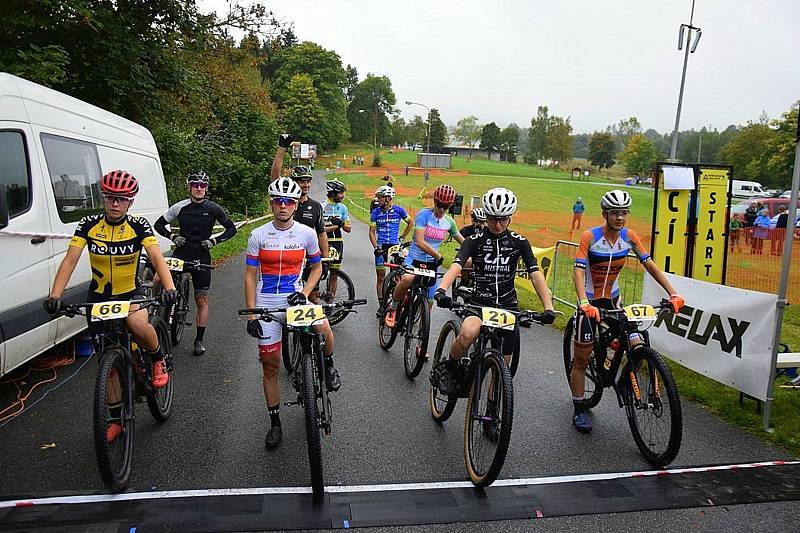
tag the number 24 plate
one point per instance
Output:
(498, 318)
(109, 310)
(640, 313)
(304, 315)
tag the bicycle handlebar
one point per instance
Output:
(525, 314)
(70, 310)
(268, 313)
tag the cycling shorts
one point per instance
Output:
(94, 297)
(339, 247)
(272, 330)
(381, 259)
(431, 283)
(585, 327)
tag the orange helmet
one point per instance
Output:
(444, 194)
(120, 183)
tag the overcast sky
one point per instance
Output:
(595, 61)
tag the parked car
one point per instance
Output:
(747, 189)
(772, 205)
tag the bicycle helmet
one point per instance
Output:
(615, 199)
(301, 172)
(385, 190)
(120, 183)
(198, 177)
(444, 194)
(499, 202)
(478, 215)
(284, 188)
(334, 187)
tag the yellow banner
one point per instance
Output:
(544, 257)
(669, 246)
(709, 246)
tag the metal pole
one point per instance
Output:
(785, 265)
(674, 148)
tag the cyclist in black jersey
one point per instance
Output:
(494, 253)
(195, 218)
(478, 223)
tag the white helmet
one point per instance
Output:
(499, 202)
(615, 199)
(385, 190)
(479, 214)
(285, 188)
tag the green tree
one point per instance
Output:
(491, 138)
(417, 130)
(438, 132)
(559, 142)
(398, 131)
(302, 113)
(602, 147)
(780, 163)
(748, 151)
(625, 129)
(509, 142)
(580, 145)
(639, 156)
(537, 136)
(352, 81)
(468, 131)
(373, 99)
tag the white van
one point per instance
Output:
(53, 151)
(747, 189)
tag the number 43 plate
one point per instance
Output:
(109, 310)
(304, 315)
(640, 313)
(498, 318)
(174, 263)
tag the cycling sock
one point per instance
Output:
(201, 330)
(274, 415)
(156, 355)
(577, 400)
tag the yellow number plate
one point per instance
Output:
(393, 250)
(109, 310)
(304, 315)
(174, 263)
(498, 318)
(333, 253)
(423, 272)
(640, 313)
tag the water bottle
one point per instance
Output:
(613, 346)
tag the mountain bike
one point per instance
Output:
(124, 377)
(640, 377)
(413, 319)
(485, 380)
(308, 378)
(336, 287)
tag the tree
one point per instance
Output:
(510, 141)
(438, 132)
(352, 81)
(398, 131)
(626, 129)
(602, 148)
(468, 131)
(301, 113)
(780, 163)
(373, 99)
(491, 138)
(559, 143)
(747, 151)
(580, 145)
(537, 136)
(639, 156)
(417, 130)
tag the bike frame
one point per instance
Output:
(312, 345)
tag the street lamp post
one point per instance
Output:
(689, 49)
(428, 149)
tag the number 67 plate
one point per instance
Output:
(497, 318)
(304, 315)
(109, 310)
(640, 313)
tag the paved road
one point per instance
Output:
(382, 431)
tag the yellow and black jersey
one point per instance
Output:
(114, 251)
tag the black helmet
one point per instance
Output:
(197, 177)
(334, 187)
(301, 172)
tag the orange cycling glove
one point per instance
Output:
(591, 311)
(677, 302)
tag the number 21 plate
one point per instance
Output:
(498, 318)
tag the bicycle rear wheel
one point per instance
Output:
(442, 405)
(653, 407)
(592, 389)
(387, 335)
(113, 405)
(159, 401)
(176, 328)
(310, 396)
(337, 287)
(488, 420)
(415, 346)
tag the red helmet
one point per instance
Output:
(120, 183)
(444, 194)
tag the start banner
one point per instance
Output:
(722, 332)
(544, 257)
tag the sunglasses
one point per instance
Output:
(616, 213)
(198, 185)
(284, 201)
(498, 219)
(112, 199)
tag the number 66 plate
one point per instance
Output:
(497, 318)
(304, 315)
(109, 310)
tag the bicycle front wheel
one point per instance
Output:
(176, 328)
(313, 439)
(488, 420)
(442, 405)
(387, 335)
(290, 350)
(159, 401)
(113, 420)
(415, 347)
(653, 407)
(337, 287)
(592, 388)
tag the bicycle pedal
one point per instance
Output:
(290, 404)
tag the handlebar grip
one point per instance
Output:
(255, 311)
(362, 301)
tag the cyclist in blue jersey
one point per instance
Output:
(384, 229)
(337, 219)
(432, 227)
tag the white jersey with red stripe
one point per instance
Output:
(279, 254)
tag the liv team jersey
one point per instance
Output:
(387, 223)
(436, 231)
(605, 260)
(279, 254)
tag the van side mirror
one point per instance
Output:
(3, 207)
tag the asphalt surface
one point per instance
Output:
(382, 430)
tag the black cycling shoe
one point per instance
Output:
(447, 377)
(273, 438)
(332, 380)
(199, 347)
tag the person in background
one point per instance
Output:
(778, 232)
(750, 215)
(734, 232)
(577, 213)
(760, 232)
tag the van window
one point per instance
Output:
(75, 176)
(14, 175)
(747, 188)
